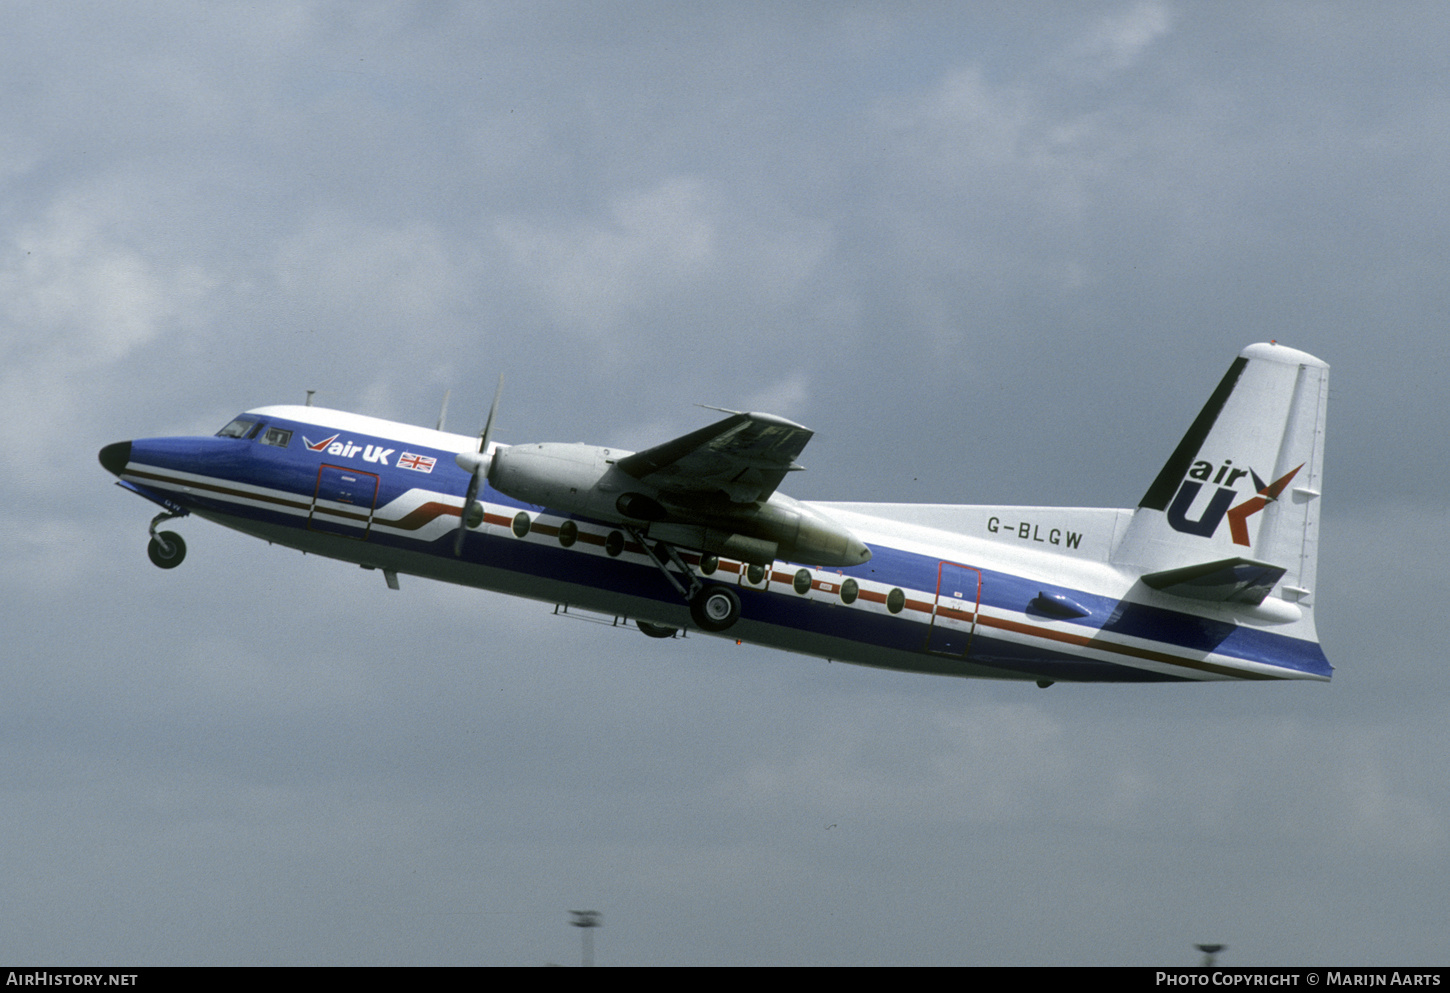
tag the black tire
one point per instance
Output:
(654, 630)
(716, 608)
(166, 550)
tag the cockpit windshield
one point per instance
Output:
(238, 428)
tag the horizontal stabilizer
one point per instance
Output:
(1225, 581)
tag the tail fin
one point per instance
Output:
(1239, 498)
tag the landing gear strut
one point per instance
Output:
(714, 608)
(165, 549)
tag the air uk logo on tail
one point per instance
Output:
(1219, 504)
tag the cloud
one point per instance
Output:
(384, 278)
(78, 286)
(1379, 808)
(1119, 40)
(593, 274)
(81, 292)
(788, 397)
(655, 249)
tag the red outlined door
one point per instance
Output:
(954, 616)
(344, 500)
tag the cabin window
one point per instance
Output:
(755, 573)
(895, 600)
(522, 525)
(614, 543)
(474, 517)
(568, 533)
(709, 563)
(802, 582)
(238, 428)
(850, 589)
(279, 437)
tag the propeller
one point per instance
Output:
(477, 464)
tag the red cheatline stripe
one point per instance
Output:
(422, 515)
(225, 491)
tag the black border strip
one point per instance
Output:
(1176, 468)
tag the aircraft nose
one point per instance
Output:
(114, 457)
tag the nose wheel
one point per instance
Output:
(165, 549)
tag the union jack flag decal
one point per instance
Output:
(419, 463)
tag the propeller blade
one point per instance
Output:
(492, 413)
(479, 465)
(468, 499)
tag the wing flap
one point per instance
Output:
(745, 456)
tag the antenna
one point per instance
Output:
(588, 920)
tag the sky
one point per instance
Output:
(991, 253)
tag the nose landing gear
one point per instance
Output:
(165, 549)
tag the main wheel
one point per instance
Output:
(716, 608)
(166, 550)
(654, 630)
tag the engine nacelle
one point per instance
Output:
(576, 478)
(551, 475)
(717, 542)
(780, 528)
(804, 535)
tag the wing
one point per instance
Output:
(745, 456)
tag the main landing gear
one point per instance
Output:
(165, 549)
(714, 608)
